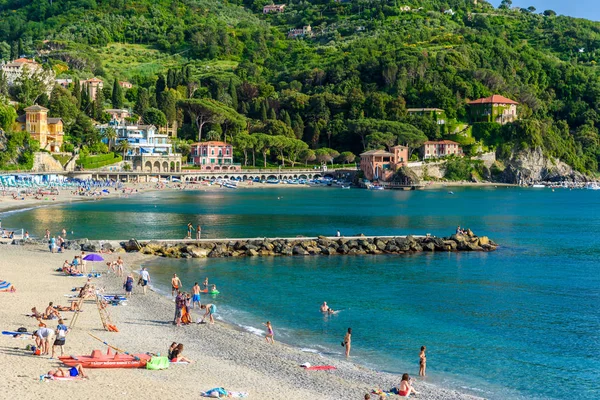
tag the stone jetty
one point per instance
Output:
(300, 246)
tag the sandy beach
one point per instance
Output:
(223, 355)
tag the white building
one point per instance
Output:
(17, 68)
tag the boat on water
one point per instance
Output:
(345, 187)
(109, 360)
(376, 187)
(538, 185)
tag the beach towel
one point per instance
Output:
(221, 392)
(157, 363)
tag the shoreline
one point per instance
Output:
(224, 355)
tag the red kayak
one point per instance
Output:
(108, 360)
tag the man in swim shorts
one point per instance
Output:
(175, 284)
(210, 310)
(196, 295)
(145, 278)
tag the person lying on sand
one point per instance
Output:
(73, 307)
(71, 372)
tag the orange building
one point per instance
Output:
(47, 131)
(381, 164)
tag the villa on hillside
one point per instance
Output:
(381, 164)
(495, 108)
(149, 150)
(125, 84)
(435, 113)
(439, 149)
(273, 8)
(92, 85)
(214, 156)
(305, 31)
(47, 131)
(16, 68)
(118, 115)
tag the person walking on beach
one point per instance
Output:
(190, 228)
(175, 284)
(211, 309)
(61, 334)
(347, 343)
(47, 236)
(128, 285)
(198, 232)
(422, 361)
(83, 263)
(196, 295)
(270, 335)
(120, 265)
(145, 275)
(179, 304)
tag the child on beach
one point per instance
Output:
(270, 335)
(422, 361)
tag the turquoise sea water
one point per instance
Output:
(522, 322)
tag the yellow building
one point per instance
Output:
(47, 131)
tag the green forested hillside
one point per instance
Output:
(366, 60)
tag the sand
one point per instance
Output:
(223, 355)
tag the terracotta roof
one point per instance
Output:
(212, 143)
(494, 99)
(94, 79)
(441, 142)
(376, 153)
(35, 107)
(24, 60)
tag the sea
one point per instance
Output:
(522, 322)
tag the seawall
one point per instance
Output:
(299, 246)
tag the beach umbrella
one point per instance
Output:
(93, 257)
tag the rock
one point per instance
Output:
(299, 251)
(251, 253)
(484, 240)
(131, 245)
(197, 252)
(107, 246)
(450, 245)
(120, 250)
(91, 247)
(380, 244)
(429, 246)
(146, 250)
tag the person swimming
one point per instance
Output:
(326, 309)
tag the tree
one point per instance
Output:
(110, 135)
(377, 140)
(7, 117)
(298, 126)
(295, 149)
(76, 91)
(505, 3)
(143, 102)
(307, 155)
(203, 111)
(82, 131)
(123, 146)
(161, 86)
(263, 145)
(98, 106)
(169, 105)
(117, 95)
(213, 136)
(323, 156)
(154, 116)
(233, 95)
(280, 144)
(347, 157)
(63, 105)
(245, 142)
(550, 13)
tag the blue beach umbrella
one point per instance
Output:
(93, 257)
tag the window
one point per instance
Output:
(212, 160)
(212, 152)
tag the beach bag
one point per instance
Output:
(157, 363)
(22, 329)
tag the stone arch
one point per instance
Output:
(232, 168)
(148, 166)
(315, 176)
(178, 166)
(219, 177)
(328, 176)
(226, 177)
(208, 168)
(271, 177)
(156, 166)
(244, 177)
(262, 178)
(302, 176)
(172, 166)
(216, 168)
(295, 176)
(137, 165)
(165, 166)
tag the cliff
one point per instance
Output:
(532, 165)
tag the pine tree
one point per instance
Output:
(272, 114)
(142, 103)
(98, 108)
(263, 111)
(298, 126)
(285, 117)
(233, 94)
(161, 85)
(85, 98)
(117, 95)
(76, 92)
(171, 80)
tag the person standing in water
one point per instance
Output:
(205, 283)
(422, 361)
(175, 284)
(196, 295)
(145, 278)
(270, 335)
(348, 341)
(211, 309)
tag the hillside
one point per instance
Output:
(363, 60)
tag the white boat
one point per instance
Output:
(345, 187)
(376, 187)
(538, 185)
(273, 181)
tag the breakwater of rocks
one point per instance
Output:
(300, 246)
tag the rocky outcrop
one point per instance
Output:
(310, 246)
(525, 167)
(44, 162)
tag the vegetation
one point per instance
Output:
(230, 71)
(97, 161)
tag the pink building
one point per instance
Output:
(381, 164)
(214, 156)
(442, 148)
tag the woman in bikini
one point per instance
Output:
(422, 361)
(348, 341)
(177, 356)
